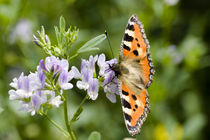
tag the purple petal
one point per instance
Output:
(36, 102)
(63, 81)
(92, 61)
(64, 64)
(41, 76)
(12, 95)
(66, 86)
(76, 72)
(26, 83)
(94, 85)
(19, 82)
(50, 62)
(47, 39)
(83, 65)
(112, 61)
(35, 42)
(82, 85)
(42, 65)
(63, 77)
(101, 60)
(86, 75)
(14, 83)
(70, 75)
(109, 77)
(55, 101)
(111, 97)
(93, 89)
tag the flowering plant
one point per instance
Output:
(49, 85)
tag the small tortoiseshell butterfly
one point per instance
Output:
(135, 73)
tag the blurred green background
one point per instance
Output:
(178, 31)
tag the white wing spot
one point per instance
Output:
(127, 43)
(125, 97)
(129, 32)
(127, 110)
(140, 50)
(139, 103)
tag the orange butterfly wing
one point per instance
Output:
(135, 108)
(135, 46)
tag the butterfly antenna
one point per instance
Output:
(109, 43)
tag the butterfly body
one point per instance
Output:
(135, 72)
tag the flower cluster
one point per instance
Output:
(38, 88)
(110, 83)
(43, 88)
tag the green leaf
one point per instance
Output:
(62, 24)
(90, 45)
(57, 33)
(42, 31)
(94, 136)
(76, 115)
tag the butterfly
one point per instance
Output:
(135, 73)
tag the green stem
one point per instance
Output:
(57, 126)
(75, 55)
(78, 109)
(66, 118)
(83, 101)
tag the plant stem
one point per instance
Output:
(78, 109)
(56, 125)
(83, 101)
(75, 55)
(66, 118)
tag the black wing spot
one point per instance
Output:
(132, 19)
(137, 39)
(135, 52)
(126, 47)
(130, 27)
(127, 117)
(138, 44)
(124, 93)
(134, 109)
(136, 106)
(134, 97)
(126, 104)
(128, 38)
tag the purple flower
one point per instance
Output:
(41, 76)
(35, 103)
(55, 100)
(87, 80)
(33, 92)
(25, 86)
(28, 92)
(36, 100)
(110, 83)
(91, 62)
(64, 79)
(75, 72)
(105, 70)
(102, 64)
(37, 90)
(111, 89)
(57, 67)
(93, 89)
(86, 75)
(54, 65)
